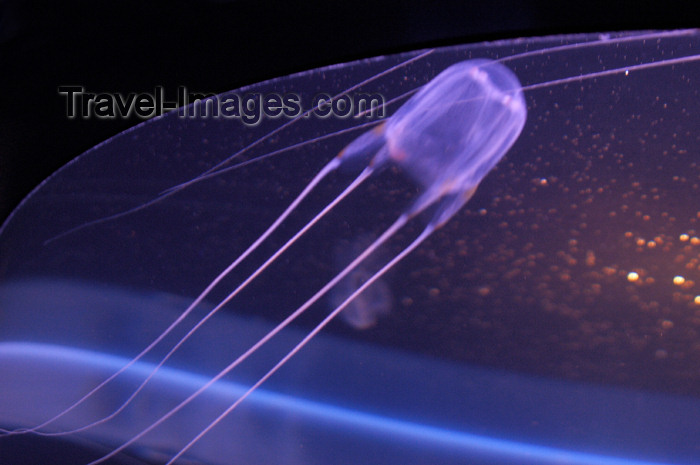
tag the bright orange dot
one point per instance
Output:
(697, 299)
(684, 237)
(632, 276)
(695, 240)
(678, 280)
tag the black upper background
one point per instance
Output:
(214, 46)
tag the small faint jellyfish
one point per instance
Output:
(374, 302)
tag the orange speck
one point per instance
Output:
(590, 258)
(483, 291)
(397, 154)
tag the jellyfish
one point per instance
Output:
(374, 303)
(431, 155)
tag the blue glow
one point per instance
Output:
(342, 418)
